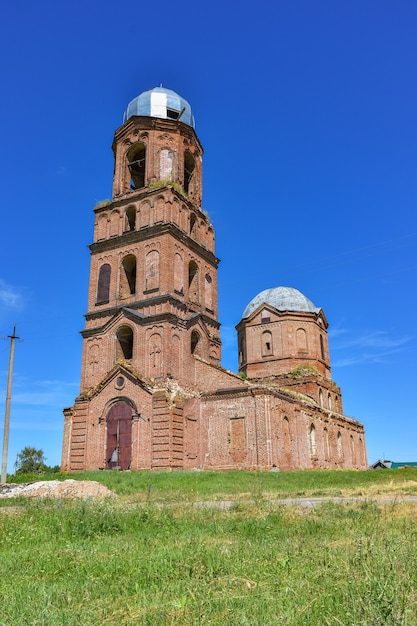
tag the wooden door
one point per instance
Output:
(119, 436)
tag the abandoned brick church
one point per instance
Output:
(153, 393)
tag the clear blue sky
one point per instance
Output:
(307, 111)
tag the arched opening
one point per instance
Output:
(193, 282)
(193, 224)
(242, 350)
(128, 276)
(195, 340)
(312, 441)
(119, 436)
(352, 450)
(136, 157)
(321, 347)
(339, 445)
(189, 165)
(103, 287)
(361, 451)
(267, 343)
(320, 397)
(124, 348)
(287, 439)
(130, 218)
(178, 274)
(209, 292)
(329, 401)
(326, 444)
(102, 226)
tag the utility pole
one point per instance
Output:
(7, 411)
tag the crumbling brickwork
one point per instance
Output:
(153, 393)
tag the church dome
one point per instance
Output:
(162, 103)
(282, 299)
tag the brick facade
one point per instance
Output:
(152, 392)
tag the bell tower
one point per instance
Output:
(153, 280)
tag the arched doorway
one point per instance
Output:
(119, 436)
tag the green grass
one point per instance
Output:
(151, 557)
(190, 485)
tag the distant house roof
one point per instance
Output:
(392, 465)
(403, 464)
(381, 465)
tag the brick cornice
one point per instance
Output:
(150, 232)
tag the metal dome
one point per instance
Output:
(282, 299)
(162, 103)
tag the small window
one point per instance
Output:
(265, 317)
(172, 114)
(267, 343)
(321, 347)
(195, 340)
(120, 382)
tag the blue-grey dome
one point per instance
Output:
(282, 299)
(160, 102)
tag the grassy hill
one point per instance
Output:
(155, 555)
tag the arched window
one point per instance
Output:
(287, 438)
(329, 401)
(102, 226)
(128, 276)
(124, 349)
(195, 340)
(312, 441)
(193, 282)
(267, 349)
(165, 164)
(209, 292)
(114, 224)
(326, 444)
(189, 164)
(130, 218)
(352, 450)
(242, 351)
(320, 397)
(136, 157)
(339, 445)
(103, 287)
(152, 270)
(321, 347)
(301, 340)
(178, 274)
